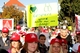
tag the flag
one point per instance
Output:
(77, 21)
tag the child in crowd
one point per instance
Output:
(41, 45)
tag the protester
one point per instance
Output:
(18, 27)
(5, 39)
(64, 45)
(22, 36)
(55, 46)
(15, 43)
(41, 45)
(31, 44)
(21, 32)
(65, 35)
(75, 46)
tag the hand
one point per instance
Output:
(13, 50)
(65, 51)
(5, 44)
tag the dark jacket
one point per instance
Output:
(69, 40)
(2, 45)
(24, 51)
(42, 48)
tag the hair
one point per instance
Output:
(50, 49)
(3, 51)
(20, 44)
(77, 36)
(66, 45)
(41, 35)
(25, 48)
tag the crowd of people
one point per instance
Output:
(42, 41)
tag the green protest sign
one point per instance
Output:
(42, 15)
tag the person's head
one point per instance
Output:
(78, 36)
(64, 44)
(15, 41)
(63, 33)
(18, 27)
(5, 31)
(55, 46)
(31, 43)
(42, 38)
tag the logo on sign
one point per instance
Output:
(7, 23)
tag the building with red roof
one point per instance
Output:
(15, 3)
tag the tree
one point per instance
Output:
(69, 8)
(75, 6)
(65, 7)
(12, 12)
(59, 1)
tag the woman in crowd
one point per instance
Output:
(55, 46)
(31, 44)
(64, 45)
(15, 43)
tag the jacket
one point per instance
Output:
(2, 44)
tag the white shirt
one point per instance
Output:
(75, 47)
(4, 39)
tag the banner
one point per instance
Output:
(9, 23)
(77, 20)
(42, 15)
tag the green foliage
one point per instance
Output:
(25, 17)
(65, 7)
(12, 12)
(75, 6)
(68, 9)
(59, 1)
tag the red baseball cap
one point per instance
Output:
(18, 27)
(15, 37)
(78, 49)
(55, 40)
(5, 30)
(63, 41)
(23, 33)
(20, 32)
(31, 37)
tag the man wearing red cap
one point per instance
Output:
(65, 35)
(4, 39)
(18, 28)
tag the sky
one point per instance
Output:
(27, 2)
